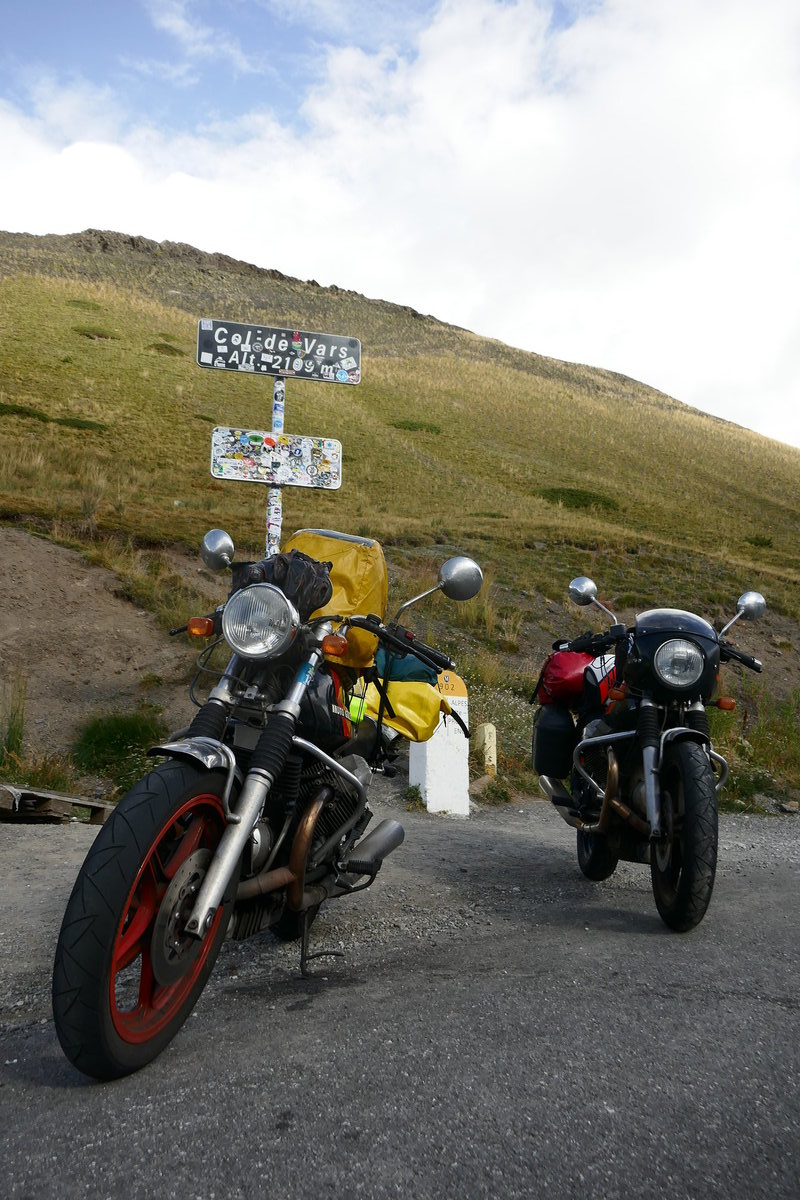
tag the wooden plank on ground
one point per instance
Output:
(19, 803)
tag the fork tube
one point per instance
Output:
(648, 738)
(267, 762)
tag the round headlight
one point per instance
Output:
(679, 663)
(259, 622)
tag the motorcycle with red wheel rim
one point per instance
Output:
(256, 817)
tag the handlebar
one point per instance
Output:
(595, 643)
(727, 652)
(406, 641)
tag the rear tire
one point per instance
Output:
(125, 976)
(683, 869)
(596, 859)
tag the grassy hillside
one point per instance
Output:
(540, 469)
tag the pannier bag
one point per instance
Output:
(360, 584)
(561, 680)
(554, 739)
(406, 668)
(413, 708)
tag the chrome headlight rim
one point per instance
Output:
(260, 622)
(673, 650)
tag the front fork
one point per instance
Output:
(649, 741)
(267, 762)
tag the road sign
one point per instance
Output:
(269, 350)
(276, 459)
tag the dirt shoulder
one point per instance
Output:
(78, 648)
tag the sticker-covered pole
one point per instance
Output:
(274, 497)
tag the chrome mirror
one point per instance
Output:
(583, 591)
(751, 605)
(217, 549)
(460, 578)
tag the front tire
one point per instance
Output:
(125, 976)
(682, 869)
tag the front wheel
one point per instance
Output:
(126, 976)
(682, 867)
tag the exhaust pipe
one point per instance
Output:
(367, 856)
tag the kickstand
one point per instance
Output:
(305, 957)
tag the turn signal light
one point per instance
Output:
(617, 693)
(727, 703)
(334, 644)
(200, 626)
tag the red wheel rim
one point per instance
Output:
(140, 1006)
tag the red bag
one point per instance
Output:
(561, 680)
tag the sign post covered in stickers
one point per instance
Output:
(273, 457)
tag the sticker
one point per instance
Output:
(278, 460)
(232, 345)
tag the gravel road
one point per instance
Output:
(498, 1027)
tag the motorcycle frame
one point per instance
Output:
(652, 761)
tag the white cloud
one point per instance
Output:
(197, 40)
(622, 191)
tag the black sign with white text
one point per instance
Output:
(265, 350)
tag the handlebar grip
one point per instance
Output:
(587, 643)
(442, 662)
(578, 645)
(406, 642)
(728, 652)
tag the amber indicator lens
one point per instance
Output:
(200, 626)
(335, 644)
(727, 703)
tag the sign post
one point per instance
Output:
(273, 457)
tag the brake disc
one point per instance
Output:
(172, 951)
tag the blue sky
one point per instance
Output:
(614, 182)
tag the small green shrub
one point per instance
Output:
(36, 414)
(86, 305)
(496, 793)
(417, 426)
(49, 771)
(413, 798)
(578, 498)
(13, 718)
(113, 746)
(95, 333)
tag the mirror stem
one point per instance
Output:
(416, 599)
(605, 610)
(732, 620)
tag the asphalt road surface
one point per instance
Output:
(498, 1027)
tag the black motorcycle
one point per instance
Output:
(622, 748)
(258, 813)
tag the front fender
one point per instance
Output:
(210, 754)
(684, 734)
